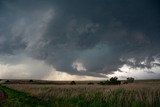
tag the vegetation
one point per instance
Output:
(7, 81)
(73, 83)
(130, 80)
(15, 98)
(90, 83)
(112, 81)
(130, 95)
(31, 81)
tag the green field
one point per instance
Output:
(138, 94)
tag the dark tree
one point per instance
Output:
(7, 81)
(114, 81)
(90, 83)
(30, 80)
(73, 83)
(130, 80)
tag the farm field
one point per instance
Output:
(138, 94)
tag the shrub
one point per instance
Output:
(73, 83)
(7, 81)
(130, 80)
(30, 80)
(112, 81)
(104, 82)
(101, 83)
(90, 83)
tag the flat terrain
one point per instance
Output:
(138, 94)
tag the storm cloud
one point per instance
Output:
(87, 37)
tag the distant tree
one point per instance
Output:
(30, 80)
(73, 83)
(130, 80)
(112, 81)
(90, 83)
(7, 81)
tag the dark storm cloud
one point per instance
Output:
(101, 35)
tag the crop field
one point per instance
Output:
(139, 94)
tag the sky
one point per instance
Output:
(79, 39)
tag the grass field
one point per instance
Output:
(139, 94)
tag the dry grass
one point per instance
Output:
(140, 94)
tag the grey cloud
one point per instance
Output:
(20, 66)
(102, 35)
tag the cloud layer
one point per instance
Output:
(83, 37)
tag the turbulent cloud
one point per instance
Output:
(96, 37)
